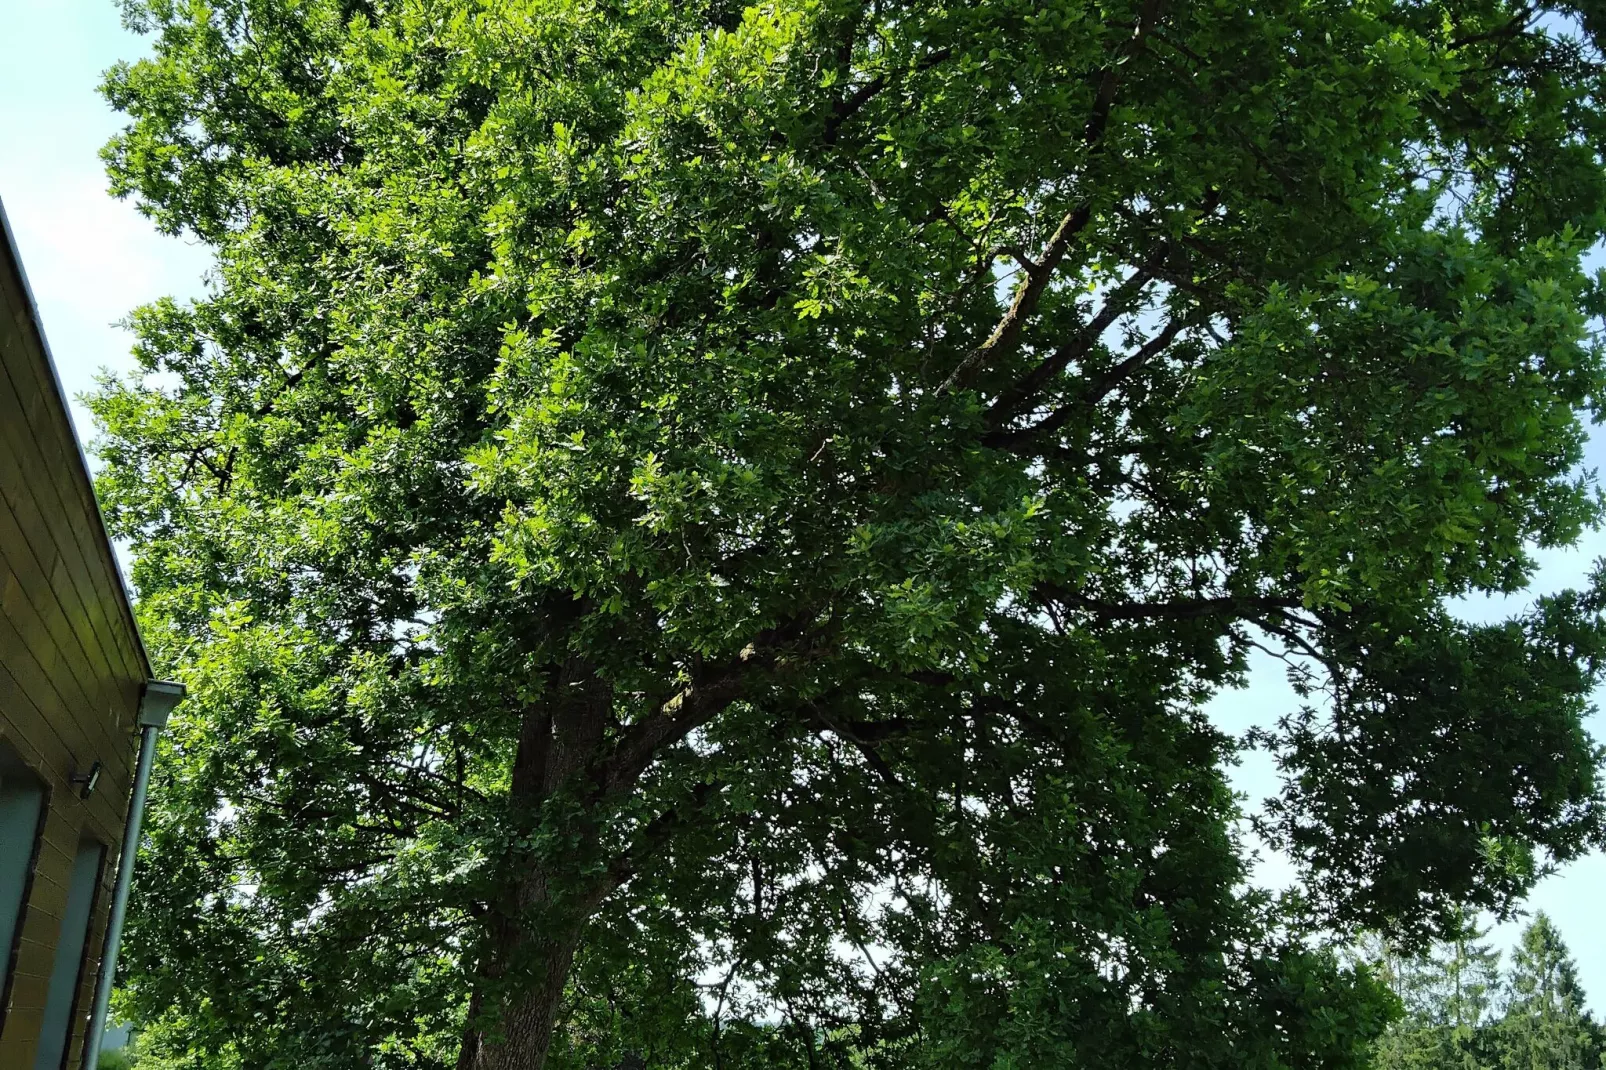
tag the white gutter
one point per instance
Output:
(154, 706)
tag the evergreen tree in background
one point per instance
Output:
(1462, 1014)
(701, 534)
(1545, 1025)
(1446, 995)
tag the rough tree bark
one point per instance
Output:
(534, 926)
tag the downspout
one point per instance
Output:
(154, 706)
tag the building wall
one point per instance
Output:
(71, 665)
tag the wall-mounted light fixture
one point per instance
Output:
(89, 780)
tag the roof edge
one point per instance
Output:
(123, 589)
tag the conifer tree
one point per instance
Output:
(1545, 1025)
(1462, 1013)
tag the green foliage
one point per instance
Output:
(1463, 1015)
(699, 535)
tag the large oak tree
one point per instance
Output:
(701, 535)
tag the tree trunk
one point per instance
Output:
(518, 988)
(523, 1030)
(534, 928)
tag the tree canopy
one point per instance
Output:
(700, 535)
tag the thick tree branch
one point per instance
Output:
(657, 833)
(1006, 335)
(1119, 301)
(1517, 26)
(692, 706)
(1180, 609)
(862, 737)
(847, 107)
(1096, 390)
(1101, 385)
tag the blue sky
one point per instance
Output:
(91, 259)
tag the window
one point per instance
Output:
(22, 809)
(61, 998)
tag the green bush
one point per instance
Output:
(114, 1060)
